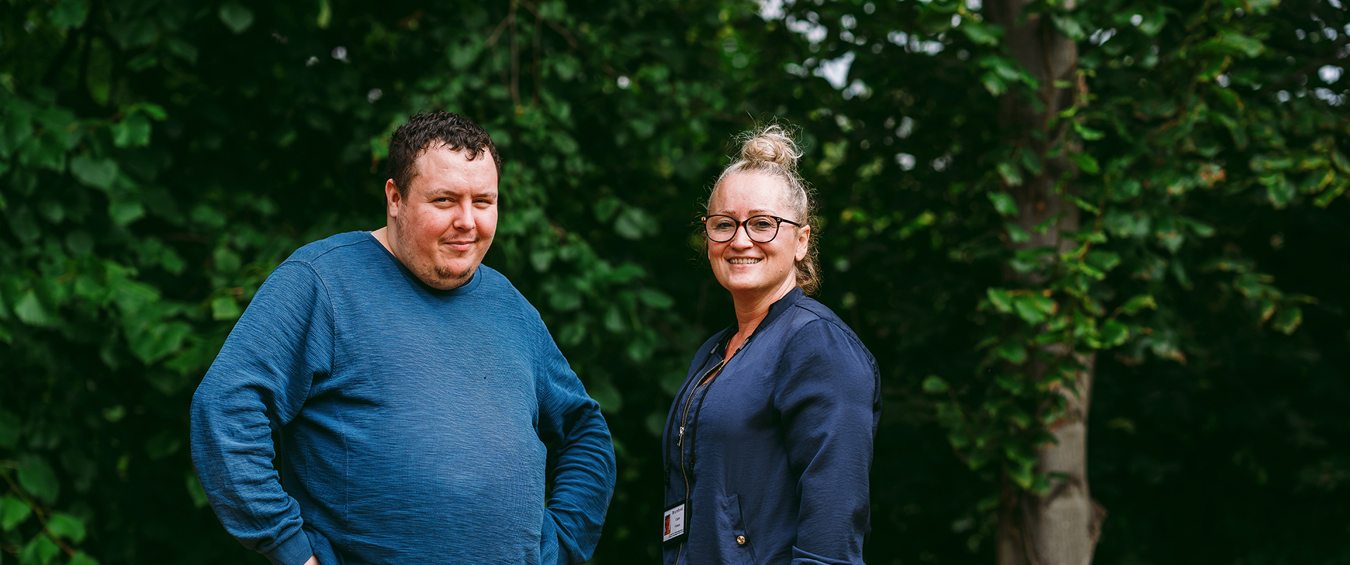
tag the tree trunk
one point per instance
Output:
(1061, 527)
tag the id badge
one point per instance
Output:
(674, 522)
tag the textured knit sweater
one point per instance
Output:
(772, 454)
(413, 425)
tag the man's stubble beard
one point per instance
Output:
(441, 272)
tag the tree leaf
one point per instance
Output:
(37, 477)
(66, 526)
(1086, 163)
(606, 207)
(1137, 303)
(235, 16)
(69, 13)
(1244, 44)
(1200, 229)
(1279, 190)
(151, 342)
(614, 321)
(29, 310)
(123, 212)
(1010, 173)
(1003, 203)
(1103, 260)
(39, 551)
(13, 512)
(934, 384)
(993, 83)
(195, 490)
(1069, 26)
(1001, 299)
(1288, 319)
(1265, 164)
(98, 173)
(133, 131)
(1020, 473)
(1339, 159)
(633, 223)
(1028, 309)
(1087, 132)
(1014, 352)
(655, 298)
(225, 308)
(982, 33)
(325, 16)
(1114, 333)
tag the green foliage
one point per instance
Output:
(158, 160)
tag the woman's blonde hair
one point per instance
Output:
(771, 150)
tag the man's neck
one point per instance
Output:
(382, 236)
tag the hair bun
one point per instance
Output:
(771, 144)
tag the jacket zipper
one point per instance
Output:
(704, 380)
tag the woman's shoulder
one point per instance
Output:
(818, 347)
(811, 317)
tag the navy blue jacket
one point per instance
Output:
(774, 452)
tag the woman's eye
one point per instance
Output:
(761, 224)
(723, 225)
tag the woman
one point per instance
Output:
(769, 442)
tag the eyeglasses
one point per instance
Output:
(760, 229)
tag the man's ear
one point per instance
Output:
(392, 198)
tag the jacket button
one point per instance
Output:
(740, 540)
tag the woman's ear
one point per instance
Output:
(803, 242)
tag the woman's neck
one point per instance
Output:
(752, 309)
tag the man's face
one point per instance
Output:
(444, 225)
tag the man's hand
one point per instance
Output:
(312, 560)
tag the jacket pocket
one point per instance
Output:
(740, 545)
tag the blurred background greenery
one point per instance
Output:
(158, 159)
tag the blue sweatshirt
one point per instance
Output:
(415, 425)
(772, 454)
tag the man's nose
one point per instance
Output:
(463, 220)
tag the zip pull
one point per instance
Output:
(680, 442)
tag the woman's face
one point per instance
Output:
(747, 268)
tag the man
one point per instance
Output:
(419, 401)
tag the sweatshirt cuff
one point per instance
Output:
(295, 550)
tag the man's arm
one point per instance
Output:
(827, 397)
(582, 457)
(256, 385)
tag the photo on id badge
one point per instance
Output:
(674, 522)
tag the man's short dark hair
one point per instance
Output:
(430, 130)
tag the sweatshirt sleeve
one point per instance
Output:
(581, 468)
(257, 384)
(829, 402)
